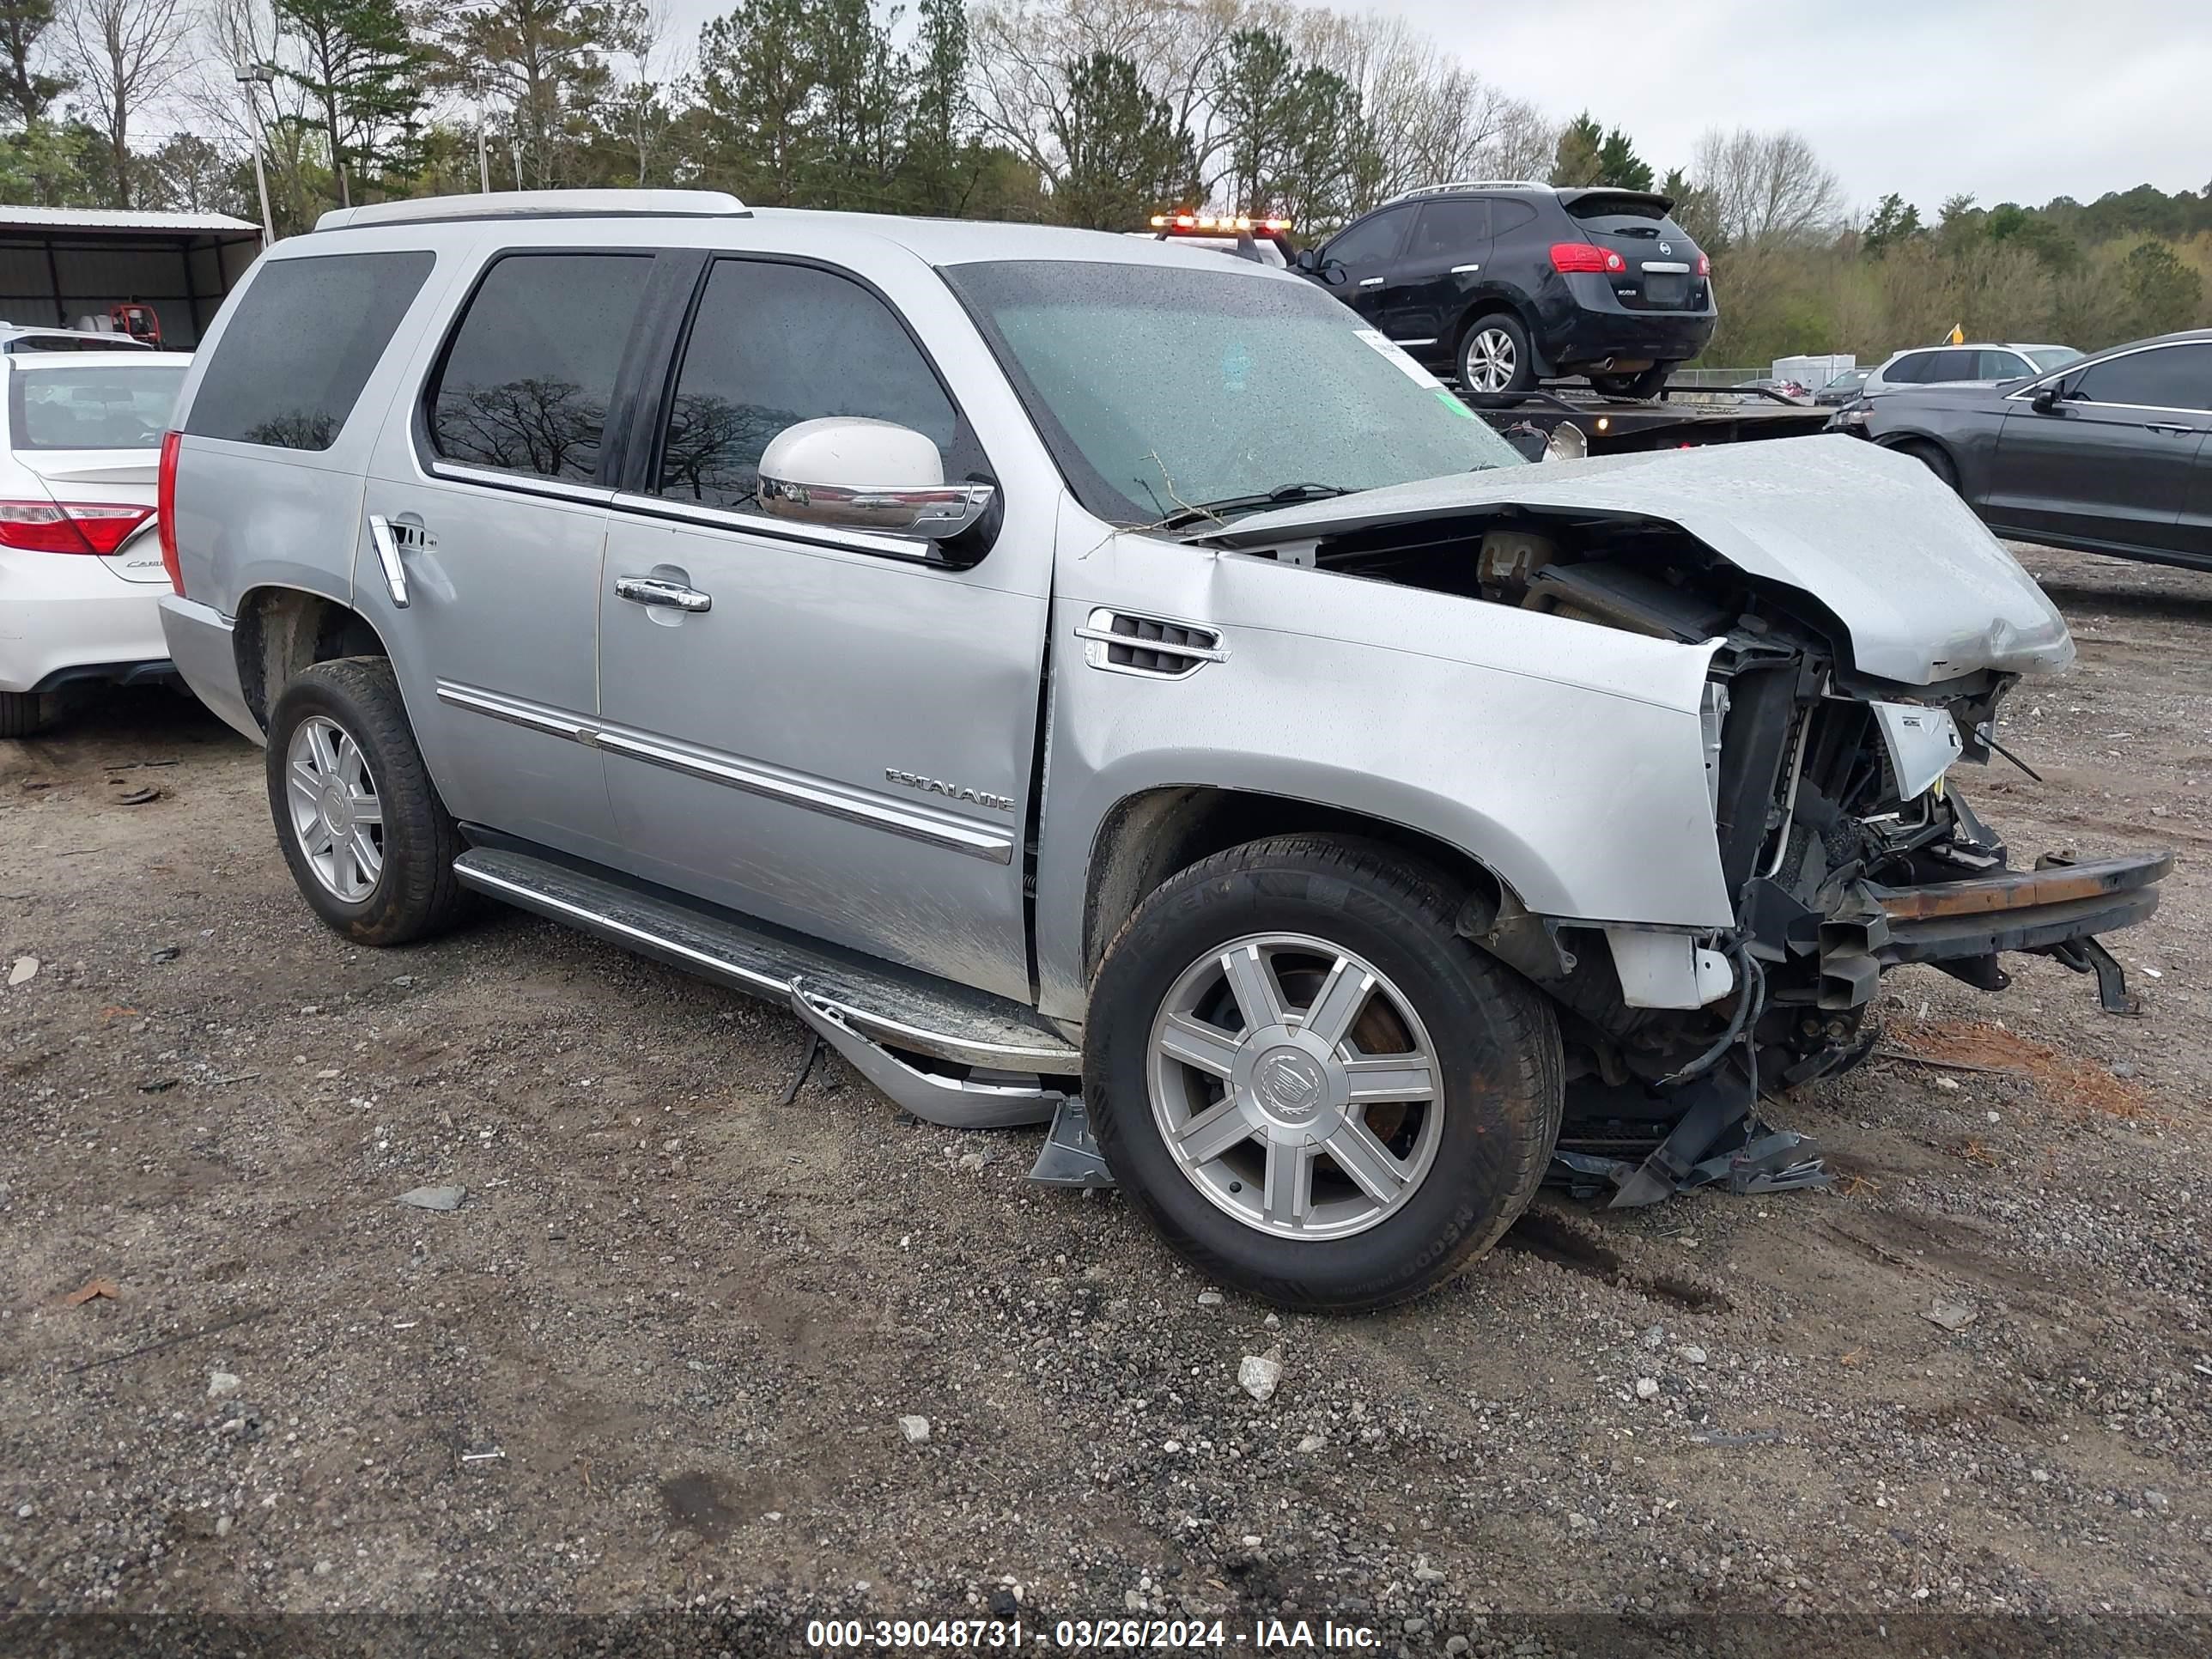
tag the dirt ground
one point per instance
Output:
(658, 1359)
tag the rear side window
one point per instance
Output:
(2167, 377)
(304, 339)
(525, 382)
(106, 408)
(1446, 229)
(776, 344)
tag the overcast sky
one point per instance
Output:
(2012, 99)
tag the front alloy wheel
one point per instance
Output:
(1309, 1082)
(1295, 1086)
(336, 813)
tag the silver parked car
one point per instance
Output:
(1092, 680)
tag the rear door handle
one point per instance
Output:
(1462, 271)
(653, 590)
(385, 537)
(2165, 425)
(1371, 281)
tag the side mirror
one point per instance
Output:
(1305, 260)
(865, 475)
(2046, 397)
(1333, 273)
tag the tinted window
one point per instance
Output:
(527, 380)
(1508, 215)
(776, 344)
(2167, 377)
(2000, 365)
(2046, 358)
(1947, 366)
(1449, 229)
(92, 408)
(1908, 370)
(1371, 241)
(302, 344)
(1607, 204)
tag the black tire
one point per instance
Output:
(1473, 342)
(1931, 457)
(416, 894)
(1496, 1040)
(26, 714)
(1648, 385)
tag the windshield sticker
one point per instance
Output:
(1236, 365)
(1398, 360)
(1450, 400)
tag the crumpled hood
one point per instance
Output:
(1925, 593)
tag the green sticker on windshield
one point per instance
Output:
(1449, 401)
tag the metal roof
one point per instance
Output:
(103, 219)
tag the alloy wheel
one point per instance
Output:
(1491, 360)
(1295, 1086)
(335, 810)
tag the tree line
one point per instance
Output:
(1088, 112)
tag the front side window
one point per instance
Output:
(1158, 390)
(1371, 241)
(108, 408)
(774, 344)
(527, 382)
(305, 336)
(2165, 377)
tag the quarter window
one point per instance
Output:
(1908, 371)
(527, 382)
(2165, 377)
(304, 340)
(774, 344)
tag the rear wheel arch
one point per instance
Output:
(281, 630)
(1148, 838)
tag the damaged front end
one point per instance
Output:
(1844, 683)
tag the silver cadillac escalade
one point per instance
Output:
(1098, 682)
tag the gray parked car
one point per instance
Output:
(1096, 681)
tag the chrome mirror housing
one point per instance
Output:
(865, 475)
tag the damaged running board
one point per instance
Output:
(998, 1064)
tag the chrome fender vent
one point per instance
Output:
(1123, 643)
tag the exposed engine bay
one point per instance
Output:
(1843, 848)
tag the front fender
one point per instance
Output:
(1565, 757)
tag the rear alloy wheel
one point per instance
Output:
(370, 844)
(1309, 1083)
(1495, 357)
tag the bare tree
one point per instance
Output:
(1765, 187)
(658, 60)
(124, 55)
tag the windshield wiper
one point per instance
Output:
(1276, 497)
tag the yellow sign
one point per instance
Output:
(1956, 335)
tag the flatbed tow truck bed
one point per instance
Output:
(1681, 418)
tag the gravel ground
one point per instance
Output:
(660, 1356)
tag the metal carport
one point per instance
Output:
(57, 264)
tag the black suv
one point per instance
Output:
(1503, 284)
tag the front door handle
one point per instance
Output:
(2176, 429)
(653, 590)
(1371, 281)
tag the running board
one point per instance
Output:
(861, 1007)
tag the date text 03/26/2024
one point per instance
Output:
(1120, 1635)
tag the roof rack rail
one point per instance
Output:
(541, 204)
(1470, 184)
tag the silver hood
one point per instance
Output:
(1925, 593)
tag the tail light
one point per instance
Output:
(69, 527)
(165, 508)
(1581, 256)
(1704, 265)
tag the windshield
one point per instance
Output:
(1159, 389)
(110, 407)
(2046, 358)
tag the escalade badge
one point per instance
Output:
(949, 791)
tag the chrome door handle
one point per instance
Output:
(1462, 271)
(651, 590)
(383, 534)
(1371, 281)
(2169, 427)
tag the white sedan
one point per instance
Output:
(81, 569)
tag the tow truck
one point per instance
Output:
(1566, 422)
